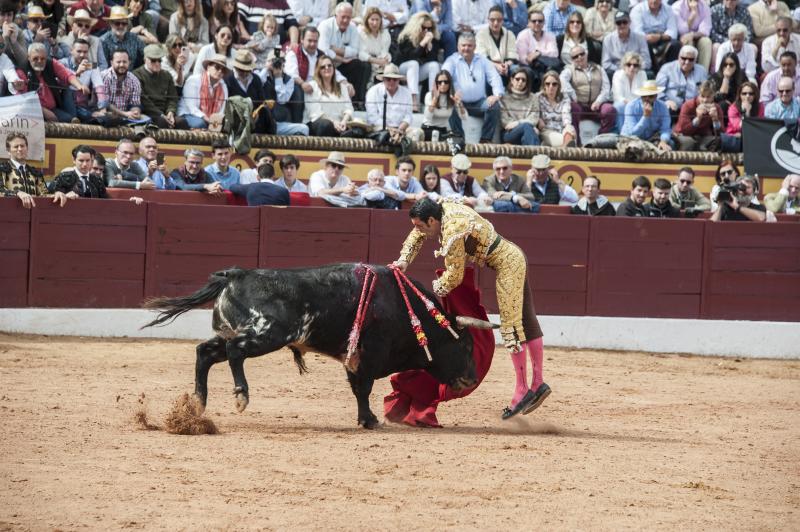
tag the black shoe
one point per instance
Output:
(523, 403)
(538, 398)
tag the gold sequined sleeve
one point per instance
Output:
(411, 246)
(453, 269)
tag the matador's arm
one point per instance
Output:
(453, 269)
(411, 246)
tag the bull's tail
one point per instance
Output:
(172, 307)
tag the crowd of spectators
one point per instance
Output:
(682, 75)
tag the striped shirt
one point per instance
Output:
(123, 93)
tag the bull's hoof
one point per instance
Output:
(241, 399)
(370, 422)
(200, 404)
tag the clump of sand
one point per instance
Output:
(140, 415)
(186, 417)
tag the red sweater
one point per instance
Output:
(684, 126)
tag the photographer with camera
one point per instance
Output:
(684, 196)
(736, 202)
(278, 91)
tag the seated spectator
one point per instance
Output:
(81, 24)
(634, 205)
(221, 45)
(694, 27)
(431, 182)
(35, 31)
(515, 16)
(204, 95)
(537, 49)
(657, 22)
(458, 184)
(764, 14)
(786, 107)
(190, 25)
(555, 114)
(279, 87)
(13, 39)
(442, 12)
(680, 78)
(746, 105)
(728, 80)
(725, 15)
(152, 164)
(683, 195)
(142, 23)
(470, 16)
(339, 40)
(120, 38)
(546, 186)
(224, 12)
(472, 73)
(376, 193)
(660, 206)
(738, 44)
(389, 107)
(647, 117)
(556, 15)
(575, 35)
(627, 80)
(191, 175)
(739, 205)
(328, 105)
(509, 191)
(309, 13)
(404, 182)
(621, 42)
(266, 41)
(251, 12)
(124, 93)
(121, 172)
(785, 201)
(588, 88)
(221, 170)
(250, 175)
(289, 166)
(374, 42)
(727, 172)
(418, 53)
(769, 87)
(179, 60)
(440, 103)
(783, 40)
(90, 109)
(50, 80)
(600, 20)
(498, 45)
(159, 94)
(241, 82)
(97, 10)
(519, 111)
(700, 122)
(592, 203)
(332, 185)
(20, 179)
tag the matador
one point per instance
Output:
(467, 236)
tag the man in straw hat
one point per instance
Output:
(36, 31)
(120, 36)
(205, 94)
(95, 8)
(159, 95)
(389, 106)
(81, 24)
(332, 185)
(647, 117)
(14, 42)
(466, 236)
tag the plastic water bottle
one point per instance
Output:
(435, 135)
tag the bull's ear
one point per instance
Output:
(468, 321)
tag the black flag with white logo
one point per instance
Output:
(771, 149)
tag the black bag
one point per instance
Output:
(428, 131)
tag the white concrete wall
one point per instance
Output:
(701, 337)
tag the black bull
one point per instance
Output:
(313, 309)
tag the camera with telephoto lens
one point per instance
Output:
(728, 190)
(277, 60)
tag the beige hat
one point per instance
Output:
(244, 60)
(391, 71)
(217, 59)
(118, 13)
(81, 14)
(154, 51)
(648, 89)
(541, 161)
(460, 162)
(334, 157)
(36, 12)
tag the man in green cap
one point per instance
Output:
(159, 95)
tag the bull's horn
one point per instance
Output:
(467, 321)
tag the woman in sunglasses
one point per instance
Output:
(627, 79)
(575, 35)
(188, 22)
(728, 78)
(600, 19)
(222, 45)
(419, 44)
(178, 61)
(745, 105)
(440, 103)
(329, 107)
(555, 114)
(519, 111)
(726, 174)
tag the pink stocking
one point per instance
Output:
(536, 351)
(520, 362)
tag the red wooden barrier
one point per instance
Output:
(312, 236)
(645, 267)
(14, 247)
(189, 197)
(752, 271)
(185, 243)
(90, 253)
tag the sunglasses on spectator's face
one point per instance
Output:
(748, 93)
(442, 82)
(427, 28)
(120, 23)
(178, 44)
(537, 21)
(462, 172)
(578, 55)
(326, 66)
(730, 64)
(575, 22)
(622, 23)
(84, 25)
(784, 91)
(687, 59)
(551, 84)
(634, 65)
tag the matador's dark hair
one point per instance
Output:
(426, 208)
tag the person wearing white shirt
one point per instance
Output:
(471, 15)
(782, 40)
(459, 184)
(310, 12)
(389, 106)
(289, 165)
(377, 193)
(407, 187)
(626, 80)
(332, 185)
(746, 51)
(395, 12)
(339, 40)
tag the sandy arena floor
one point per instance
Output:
(626, 441)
